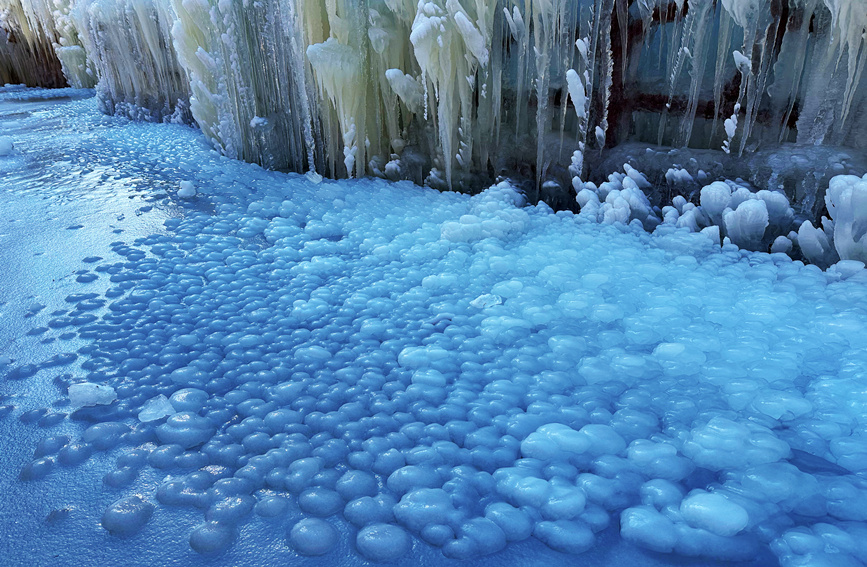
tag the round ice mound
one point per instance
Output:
(714, 513)
(211, 537)
(185, 429)
(383, 542)
(127, 516)
(313, 536)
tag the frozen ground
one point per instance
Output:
(358, 368)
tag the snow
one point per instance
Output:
(373, 371)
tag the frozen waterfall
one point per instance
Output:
(453, 93)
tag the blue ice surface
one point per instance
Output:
(363, 371)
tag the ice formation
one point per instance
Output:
(452, 92)
(314, 368)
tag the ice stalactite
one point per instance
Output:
(722, 58)
(249, 106)
(27, 53)
(129, 45)
(55, 18)
(849, 35)
(452, 93)
(451, 43)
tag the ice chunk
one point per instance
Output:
(6, 145)
(187, 190)
(156, 408)
(90, 394)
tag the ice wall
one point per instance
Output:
(26, 52)
(129, 45)
(455, 92)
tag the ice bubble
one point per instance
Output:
(272, 506)
(89, 394)
(660, 493)
(156, 408)
(187, 190)
(515, 522)
(355, 484)
(320, 501)
(714, 513)
(36, 469)
(367, 510)
(6, 145)
(312, 536)
(127, 516)
(423, 507)
(189, 399)
(105, 435)
(648, 528)
(478, 536)
(383, 542)
(410, 477)
(565, 536)
(74, 454)
(185, 429)
(231, 509)
(723, 443)
(211, 537)
(188, 376)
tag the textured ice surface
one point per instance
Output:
(364, 371)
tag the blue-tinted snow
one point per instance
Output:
(362, 371)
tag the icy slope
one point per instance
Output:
(364, 371)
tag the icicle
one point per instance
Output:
(726, 24)
(622, 9)
(701, 12)
(849, 25)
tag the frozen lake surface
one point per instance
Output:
(339, 373)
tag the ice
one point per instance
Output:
(846, 200)
(156, 408)
(6, 146)
(187, 190)
(383, 542)
(127, 516)
(714, 513)
(746, 225)
(90, 394)
(375, 371)
(186, 429)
